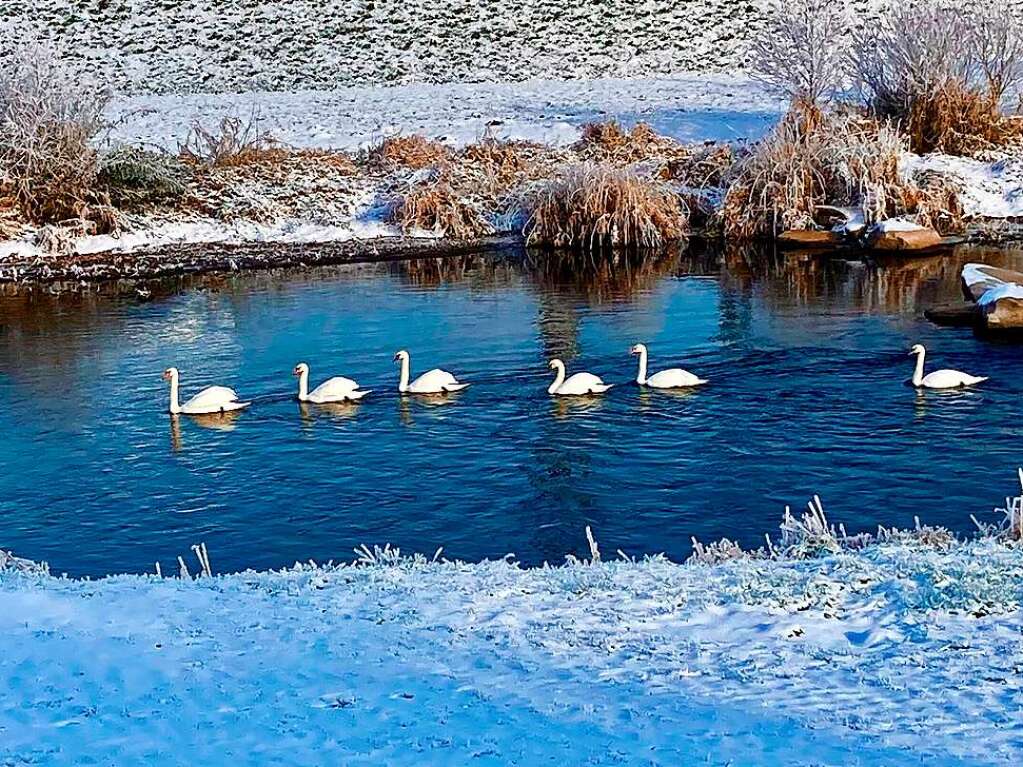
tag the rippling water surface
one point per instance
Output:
(807, 361)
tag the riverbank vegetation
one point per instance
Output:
(860, 103)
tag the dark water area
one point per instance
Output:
(807, 361)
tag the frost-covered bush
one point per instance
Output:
(941, 71)
(813, 159)
(134, 176)
(49, 119)
(800, 51)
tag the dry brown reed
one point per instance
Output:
(235, 141)
(941, 70)
(812, 159)
(413, 152)
(598, 207)
(437, 207)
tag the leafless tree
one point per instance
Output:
(997, 43)
(800, 51)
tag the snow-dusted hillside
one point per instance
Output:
(162, 46)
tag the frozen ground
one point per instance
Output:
(189, 46)
(688, 106)
(894, 655)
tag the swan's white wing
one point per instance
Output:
(950, 379)
(334, 389)
(211, 400)
(433, 382)
(675, 378)
(582, 383)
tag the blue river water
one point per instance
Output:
(808, 368)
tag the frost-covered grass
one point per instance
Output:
(901, 649)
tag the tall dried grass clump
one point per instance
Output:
(597, 207)
(815, 159)
(49, 119)
(610, 142)
(436, 206)
(413, 152)
(942, 71)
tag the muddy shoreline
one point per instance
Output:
(70, 272)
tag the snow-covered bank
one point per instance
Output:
(310, 202)
(894, 654)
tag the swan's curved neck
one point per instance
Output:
(918, 374)
(303, 384)
(559, 378)
(641, 377)
(175, 408)
(403, 380)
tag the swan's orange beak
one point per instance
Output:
(165, 375)
(296, 372)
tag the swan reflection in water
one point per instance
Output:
(341, 411)
(214, 421)
(426, 402)
(653, 399)
(569, 407)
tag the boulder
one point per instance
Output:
(809, 238)
(978, 279)
(905, 239)
(1001, 308)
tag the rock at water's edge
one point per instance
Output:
(978, 279)
(912, 239)
(808, 238)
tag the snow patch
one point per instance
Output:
(989, 189)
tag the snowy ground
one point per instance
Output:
(688, 106)
(894, 655)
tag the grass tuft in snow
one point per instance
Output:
(433, 205)
(595, 208)
(136, 177)
(412, 152)
(235, 141)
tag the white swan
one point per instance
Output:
(675, 378)
(939, 379)
(434, 381)
(212, 399)
(576, 385)
(337, 389)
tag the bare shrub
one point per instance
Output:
(413, 152)
(815, 159)
(436, 206)
(596, 207)
(941, 71)
(134, 176)
(49, 118)
(997, 42)
(235, 141)
(800, 51)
